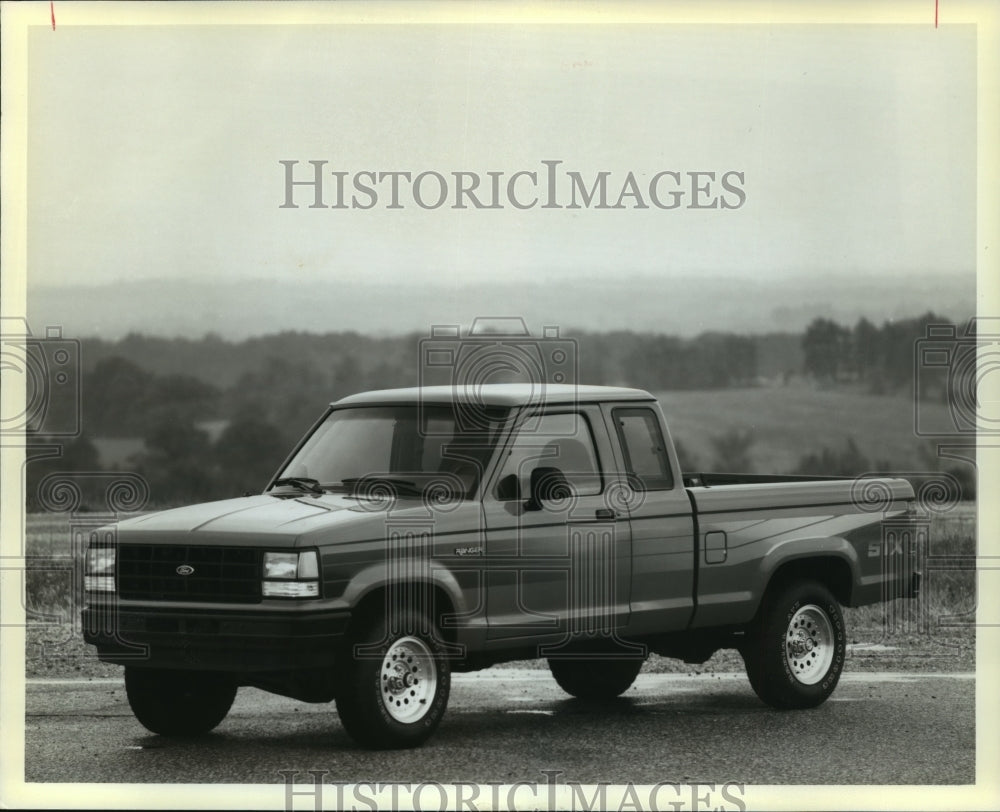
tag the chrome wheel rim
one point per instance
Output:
(809, 644)
(408, 679)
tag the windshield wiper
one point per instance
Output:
(303, 483)
(395, 484)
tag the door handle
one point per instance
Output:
(604, 513)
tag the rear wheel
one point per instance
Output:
(178, 703)
(595, 679)
(394, 685)
(795, 650)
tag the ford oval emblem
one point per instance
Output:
(185, 569)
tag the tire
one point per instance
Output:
(795, 652)
(178, 703)
(595, 679)
(394, 685)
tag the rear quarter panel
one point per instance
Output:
(748, 531)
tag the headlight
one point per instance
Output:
(291, 575)
(99, 574)
(281, 565)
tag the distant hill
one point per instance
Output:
(676, 304)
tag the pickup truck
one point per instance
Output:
(418, 532)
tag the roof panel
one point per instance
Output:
(497, 394)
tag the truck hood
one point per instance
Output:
(262, 518)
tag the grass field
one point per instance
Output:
(788, 422)
(935, 630)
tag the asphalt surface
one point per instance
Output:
(507, 725)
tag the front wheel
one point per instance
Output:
(595, 679)
(796, 647)
(178, 703)
(394, 685)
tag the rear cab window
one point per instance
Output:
(647, 462)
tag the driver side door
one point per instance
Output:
(558, 567)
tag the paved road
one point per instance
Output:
(506, 725)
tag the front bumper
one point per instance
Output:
(247, 640)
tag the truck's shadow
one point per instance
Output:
(563, 719)
(685, 704)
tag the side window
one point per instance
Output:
(562, 441)
(646, 458)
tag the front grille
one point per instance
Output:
(219, 574)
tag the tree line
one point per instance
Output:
(885, 358)
(881, 357)
(267, 391)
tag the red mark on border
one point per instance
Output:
(935, 12)
(52, 11)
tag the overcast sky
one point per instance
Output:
(154, 151)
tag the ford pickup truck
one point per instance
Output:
(418, 532)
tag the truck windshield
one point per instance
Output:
(409, 450)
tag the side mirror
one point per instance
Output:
(547, 484)
(509, 489)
